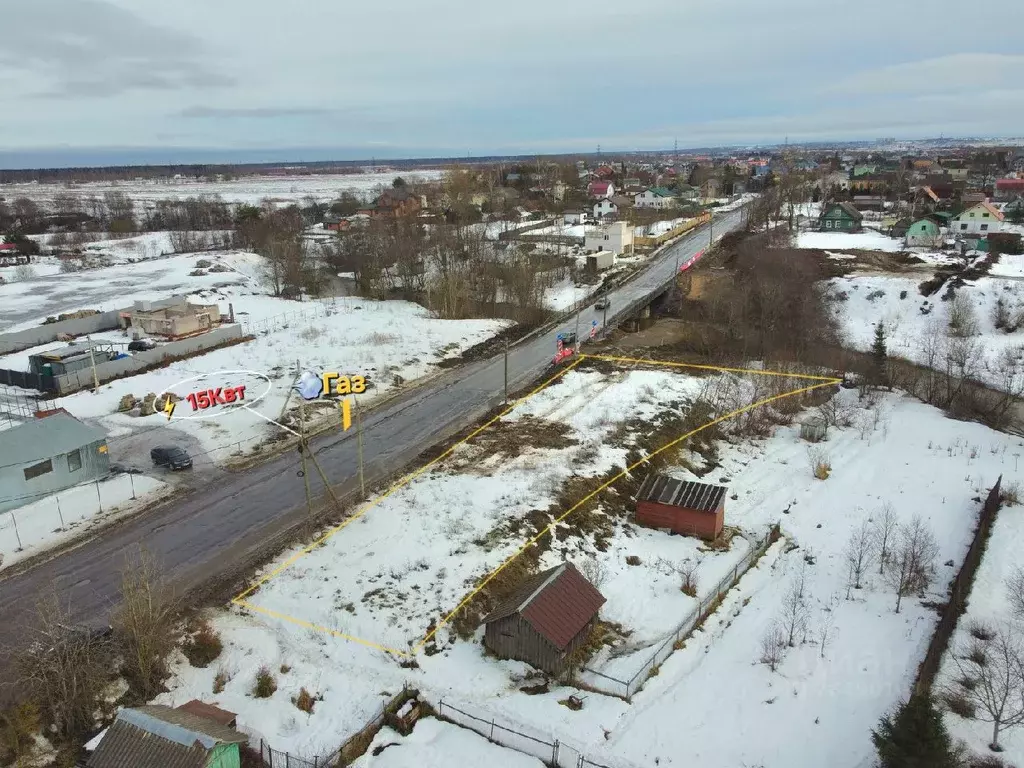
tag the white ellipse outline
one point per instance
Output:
(244, 404)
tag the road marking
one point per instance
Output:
(241, 601)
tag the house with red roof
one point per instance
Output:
(599, 189)
(981, 219)
(1009, 189)
(545, 620)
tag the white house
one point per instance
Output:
(604, 208)
(655, 197)
(575, 217)
(616, 236)
(980, 219)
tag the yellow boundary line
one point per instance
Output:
(240, 599)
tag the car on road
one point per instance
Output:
(141, 345)
(603, 303)
(171, 456)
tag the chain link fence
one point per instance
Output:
(626, 689)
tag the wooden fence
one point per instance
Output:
(682, 229)
(959, 592)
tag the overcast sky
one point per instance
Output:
(413, 77)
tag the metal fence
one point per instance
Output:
(626, 689)
(275, 758)
(554, 752)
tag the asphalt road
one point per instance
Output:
(201, 534)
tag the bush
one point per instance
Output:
(981, 631)
(1009, 494)
(632, 560)
(220, 680)
(959, 704)
(264, 685)
(19, 726)
(304, 701)
(203, 646)
(689, 580)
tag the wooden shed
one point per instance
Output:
(682, 506)
(546, 620)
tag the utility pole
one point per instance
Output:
(359, 447)
(92, 360)
(579, 308)
(506, 370)
(303, 450)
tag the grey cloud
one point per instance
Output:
(94, 48)
(256, 112)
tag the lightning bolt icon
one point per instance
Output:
(168, 407)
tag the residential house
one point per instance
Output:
(655, 197)
(610, 206)
(616, 236)
(157, 735)
(546, 620)
(395, 202)
(173, 318)
(1014, 210)
(840, 217)
(1008, 189)
(711, 188)
(336, 223)
(574, 217)
(686, 192)
(601, 189)
(871, 183)
(47, 455)
(558, 190)
(684, 507)
(980, 219)
(604, 172)
(924, 233)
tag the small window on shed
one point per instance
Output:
(38, 469)
(75, 460)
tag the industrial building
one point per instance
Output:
(74, 357)
(47, 455)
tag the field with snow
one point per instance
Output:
(840, 241)
(411, 557)
(46, 522)
(249, 189)
(915, 324)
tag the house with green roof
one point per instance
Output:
(924, 233)
(840, 217)
(655, 197)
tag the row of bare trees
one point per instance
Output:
(61, 679)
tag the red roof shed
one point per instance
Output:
(545, 620)
(686, 507)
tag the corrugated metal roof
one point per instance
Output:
(209, 732)
(210, 712)
(557, 603)
(681, 493)
(128, 746)
(41, 439)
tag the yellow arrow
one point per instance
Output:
(346, 414)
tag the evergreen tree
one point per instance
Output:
(914, 737)
(880, 356)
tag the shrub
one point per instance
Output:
(24, 272)
(264, 685)
(689, 579)
(632, 560)
(959, 704)
(304, 701)
(1009, 494)
(285, 669)
(981, 631)
(203, 646)
(220, 680)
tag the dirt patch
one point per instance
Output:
(510, 439)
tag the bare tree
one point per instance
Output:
(911, 567)
(826, 629)
(836, 411)
(992, 680)
(963, 320)
(593, 570)
(64, 669)
(794, 614)
(143, 624)
(773, 646)
(860, 549)
(688, 578)
(1015, 592)
(884, 529)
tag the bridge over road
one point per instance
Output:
(219, 532)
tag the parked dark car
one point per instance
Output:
(141, 345)
(171, 456)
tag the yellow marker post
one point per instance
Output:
(346, 414)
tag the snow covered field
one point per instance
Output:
(43, 523)
(839, 241)
(250, 189)
(436, 744)
(913, 321)
(417, 552)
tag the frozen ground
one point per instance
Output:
(249, 189)
(1010, 265)
(25, 303)
(418, 551)
(840, 241)
(436, 744)
(45, 522)
(565, 294)
(915, 324)
(659, 228)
